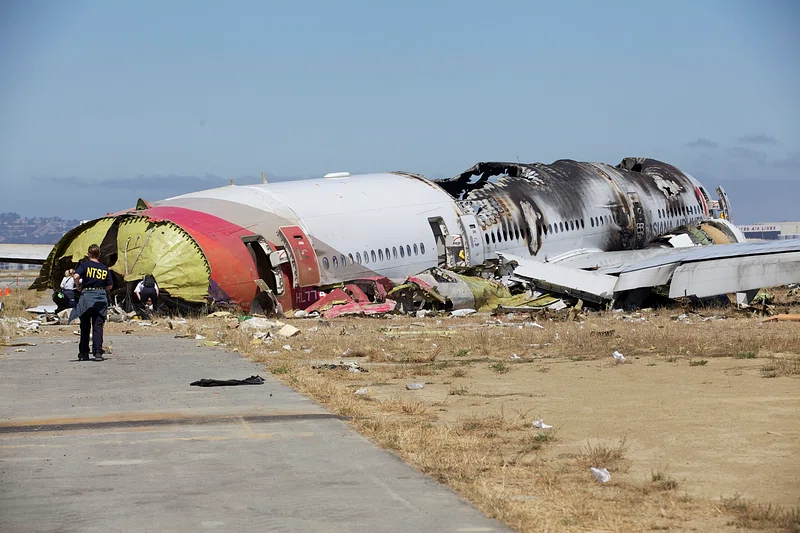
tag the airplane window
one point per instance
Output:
(335, 262)
(591, 222)
(499, 237)
(516, 232)
(422, 248)
(352, 261)
(561, 227)
(394, 252)
(366, 256)
(415, 249)
(487, 237)
(387, 255)
(325, 263)
(358, 257)
(505, 234)
(583, 224)
(408, 250)
(571, 225)
(344, 261)
(493, 240)
(374, 257)
(380, 254)
(402, 252)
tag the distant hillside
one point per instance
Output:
(40, 230)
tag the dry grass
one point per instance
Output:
(604, 455)
(758, 516)
(781, 366)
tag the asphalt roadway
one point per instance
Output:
(127, 445)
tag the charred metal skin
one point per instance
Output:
(637, 200)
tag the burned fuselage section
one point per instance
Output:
(547, 210)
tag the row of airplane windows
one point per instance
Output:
(558, 227)
(373, 255)
(684, 211)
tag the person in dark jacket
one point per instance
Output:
(147, 289)
(93, 279)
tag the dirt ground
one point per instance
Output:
(698, 427)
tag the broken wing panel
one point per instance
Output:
(567, 280)
(734, 274)
(167, 252)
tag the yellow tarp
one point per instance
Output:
(167, 252)
(93, 235)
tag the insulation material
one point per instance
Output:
(487, 293)
(167, 252)
(93, 234)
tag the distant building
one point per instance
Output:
(772, 231)
(19, 266)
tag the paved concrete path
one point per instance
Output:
(127, 445)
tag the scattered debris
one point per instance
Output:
(462, 312)
(287, 347)
(608, 333)
(198, 337)
(349, 367)
(541, 425)
(601, 475)
(20, 350)
(252, 380)
(221, 314)
(515, 357)
(618, 357)
(415, 386)
(17, 343)
(361, 391)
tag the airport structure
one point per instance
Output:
(772, 231)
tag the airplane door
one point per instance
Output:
(473, 244)
(639, 224)
(724, 205)
(303, 260)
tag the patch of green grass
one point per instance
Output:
(463, 352)
(671, 359)
(746, 355)
(500, 367)
(698, 362)
(543, 437)
(459, 373)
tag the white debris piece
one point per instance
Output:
(541, 425)
(287, 347)
(463, 312)
(20, 350)
(301, 314)
(258, 323)
(601, 475)
(288, 331)
(532, 325)
(618, 357)
(198, 337)
(361, 391)
(347, 352)
(415, 386)
(352, 366)
(515, 357)
(421, 313)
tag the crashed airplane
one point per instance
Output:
(593, 230)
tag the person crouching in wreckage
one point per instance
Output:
(93, 279)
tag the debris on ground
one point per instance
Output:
(252, 380)
(540, 424)
(221, 314)
(415, 386)
(361, 391)
(618, 357)
(601, 474)
(349, 367)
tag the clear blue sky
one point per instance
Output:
(105, 101)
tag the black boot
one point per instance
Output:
(83, 357)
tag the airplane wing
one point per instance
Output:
(32, 254)
(700, 271)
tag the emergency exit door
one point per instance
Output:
(302, 258)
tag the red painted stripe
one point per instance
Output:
(232, 267)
